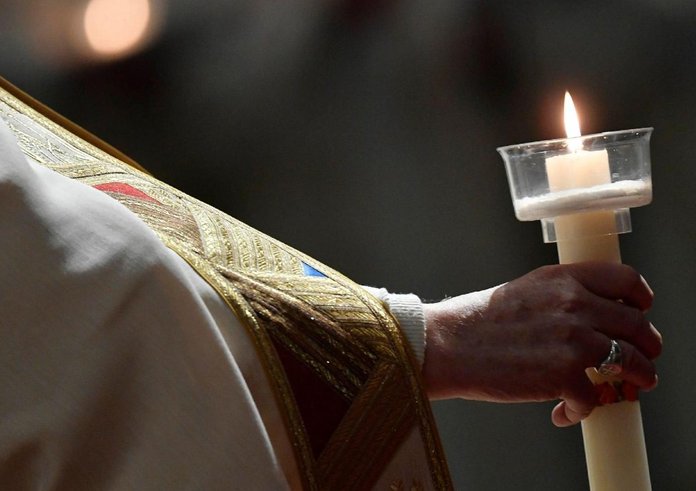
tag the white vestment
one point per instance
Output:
(120, 368)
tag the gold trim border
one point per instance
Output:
(66, 124)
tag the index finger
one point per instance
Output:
(614, 281)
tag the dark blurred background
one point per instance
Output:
(364, 133)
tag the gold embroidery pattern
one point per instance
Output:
(341, 333)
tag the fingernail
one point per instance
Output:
(646, 285)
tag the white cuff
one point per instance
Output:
(408, 311)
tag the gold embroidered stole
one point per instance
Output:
(346, 383)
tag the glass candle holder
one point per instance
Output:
(603, 171)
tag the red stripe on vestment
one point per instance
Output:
(123, 188)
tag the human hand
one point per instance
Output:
(532, 339)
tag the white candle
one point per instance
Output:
(613, 434)
(584, 236)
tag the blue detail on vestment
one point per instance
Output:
(310, 271)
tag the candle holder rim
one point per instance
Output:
(604, 134)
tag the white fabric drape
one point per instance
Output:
(120, 368)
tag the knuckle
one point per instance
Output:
(635, 278)
(551, 272)
(570, 300)
(639, 286)
(547, 269)
(640, 333)
(653, 340)
(636, 281)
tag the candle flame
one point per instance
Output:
(572, 122)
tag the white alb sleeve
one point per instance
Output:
(407, 308)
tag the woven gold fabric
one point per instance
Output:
(321, 326)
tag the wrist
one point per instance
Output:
(449, 326)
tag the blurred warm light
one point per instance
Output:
(116, 27)
(71, 33)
